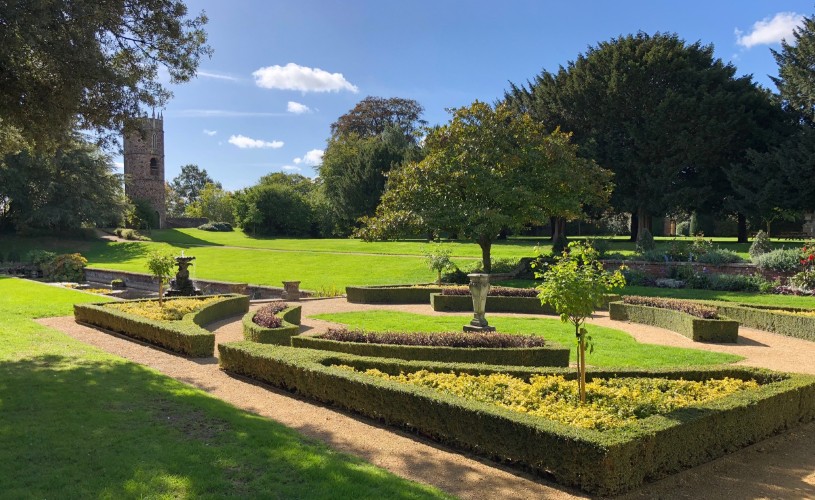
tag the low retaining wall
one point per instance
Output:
(143, 281)
(663, 269)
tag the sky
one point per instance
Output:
(284, 70)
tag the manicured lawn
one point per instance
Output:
(78, 423)
(612, 347)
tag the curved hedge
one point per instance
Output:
(768, 318)
(184, 336)
(549, 355)
(280, 335)
(601, 463)
(393, 294)
(696, 329)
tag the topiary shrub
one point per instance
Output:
(761, 245)
(216, 226)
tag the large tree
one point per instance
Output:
(488, 169)
(796, 71)
(89, 64)
(64, 190)
(665, 116)
(372, 115)
(188, 186)
(355, 168)
(213, 203)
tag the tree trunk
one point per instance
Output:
(581, 364)
(742, 232)
(485, 244)
(635, 227)
(554, 227)
(643, 220)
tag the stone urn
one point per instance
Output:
(479, 288)
(291, 290)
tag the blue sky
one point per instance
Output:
(283, 71)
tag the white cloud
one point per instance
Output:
(119, 165)
(770, 30)
(297, 108)
(210, 132)
(217, 76)
(244, 142)
(289, 168)
(312, 158)
(302, 78)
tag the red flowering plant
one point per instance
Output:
(805, 280)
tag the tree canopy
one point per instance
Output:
(486, 170)
(372, 115)
(188, 185)
(665, 116)
(89, 64)
(796, 71)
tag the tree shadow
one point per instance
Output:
(181, 239)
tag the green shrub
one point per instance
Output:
(719, 256)
(637, 277)
(280, 335)
(761, 245)
(696, 329)
(683, 228)
(601, 245)
(117, 283)
(804, 280)
(654, 256)
(66, 267)
(397, 294)
(184, 337)
(464, 303)
(645, 241)
(40, 258)
(772, 319)
(781, 260)
(216, 226)
(601, 463)
(686, 306)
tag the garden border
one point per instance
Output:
(760, 318)
(696, 329)
(390, 294)
(280, 335)
(185, 336)
(602, 463)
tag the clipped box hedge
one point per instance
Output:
(696, 329)
(601, 463)
(768, 318)
(394, 294)
(548, 355)
(498, 304)
(280, 335)
(184, 336)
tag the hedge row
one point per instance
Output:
(527, 305)
(184, 336)
(768, 318)
(602, 463)
(549, 355)
(696, 329)
(281, 335)
(396, 294)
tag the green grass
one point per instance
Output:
(76, 422)
(613, 348)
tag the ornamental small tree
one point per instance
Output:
(161, 266)
(574, 286)
(438, 259)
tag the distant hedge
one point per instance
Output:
(185, 336)
(696, 329)
(499, 304)
(601, 463)
(280, 335)
(769, 318)
(395, 294)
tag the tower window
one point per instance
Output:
(154, 142)
(153, 166)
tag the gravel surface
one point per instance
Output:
(779, 467)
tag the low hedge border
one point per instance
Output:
(527, 305)
(549, 355)
(602, 463)
(696, 329)
(768, 319)
(390, 294)
(280, 335)
(184, 337)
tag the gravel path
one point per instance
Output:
(780, 467)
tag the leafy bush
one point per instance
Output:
(216, 226)
(117, 283)
(456, 276)
(66, 267)
(437, 339)
(600, 245)
(654, 256)
(805, 280)
(693, 308)
(683, 228)
(437, 259)
(637, 277)
(645, 241)
(495, 291)
(40, 257)
(496, 266)
(782, 260)
(267, 317)
(719, 256)
(761, 245)
(129, 234)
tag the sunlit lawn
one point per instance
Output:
(612, 347)
(78, 423)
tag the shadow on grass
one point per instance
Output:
(118, 252)
(178, 238)
(77, 428)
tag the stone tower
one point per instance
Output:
(144, 164)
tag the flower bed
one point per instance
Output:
(495, 291)
(491, 348)
(675, 316)
(599, 462)
(184, 336)
(512, 304)
(275, 323)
